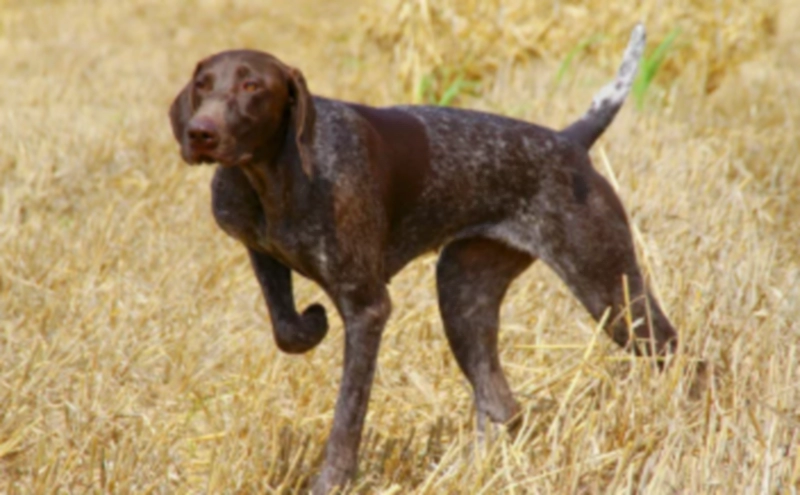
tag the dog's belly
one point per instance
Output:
(437, 222)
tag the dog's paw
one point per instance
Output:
(315, 323)
(303, 333)
(330, 481)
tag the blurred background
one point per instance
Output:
(135, 350)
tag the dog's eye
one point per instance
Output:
(202, 84)
(251, 86)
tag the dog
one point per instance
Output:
(346, 195)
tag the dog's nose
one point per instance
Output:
(203, 134)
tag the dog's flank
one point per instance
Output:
(609, 100)
(347, 195)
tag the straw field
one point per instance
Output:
(136, 354)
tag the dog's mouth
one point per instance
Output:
(225, 159)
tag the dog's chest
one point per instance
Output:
(298, 243)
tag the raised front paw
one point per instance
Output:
(315, 323)
(304, 333)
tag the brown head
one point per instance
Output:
(238, 108)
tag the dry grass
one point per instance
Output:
(135, 353)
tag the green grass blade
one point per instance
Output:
(580, 47)
(651, 65)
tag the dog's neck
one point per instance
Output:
(275, 171)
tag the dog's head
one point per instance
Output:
(239, 107)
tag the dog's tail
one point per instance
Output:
(608, 100)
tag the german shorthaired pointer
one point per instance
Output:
(347, 195)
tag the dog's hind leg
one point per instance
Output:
(472, 277)
(588, 243)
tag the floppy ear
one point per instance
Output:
(180, 112)
(303, 119)
(182, 107)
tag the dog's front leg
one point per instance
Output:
(294, 333)
(364, 312)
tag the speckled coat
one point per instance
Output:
(347, 195)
